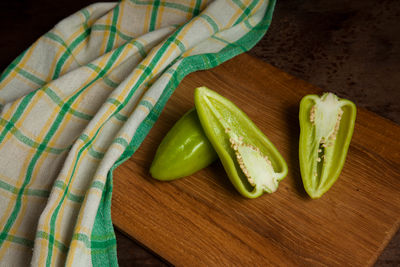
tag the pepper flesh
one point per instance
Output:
(183, 151)
(252, 162)
(326, 128)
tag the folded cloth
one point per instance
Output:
(80, 101)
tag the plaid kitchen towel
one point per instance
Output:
(80, 101)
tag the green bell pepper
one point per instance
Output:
(326, 128)
(183, 151)
(252, 162)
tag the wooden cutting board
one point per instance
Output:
(202, 220)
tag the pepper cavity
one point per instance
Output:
(325, 116)
(255, 166)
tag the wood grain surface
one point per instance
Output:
(202, 220)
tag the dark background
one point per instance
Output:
(351, 48)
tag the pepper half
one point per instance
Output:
(326, 128)
(183, 151)
(252, 162)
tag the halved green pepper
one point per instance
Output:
(326, 128)
(252, 162)
(183, 151)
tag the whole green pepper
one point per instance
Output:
(326, 128)
(183, 151)
(252, 162)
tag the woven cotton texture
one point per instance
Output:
(80, 101)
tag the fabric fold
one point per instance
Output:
(80, 101)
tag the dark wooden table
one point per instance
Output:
(349, 47)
